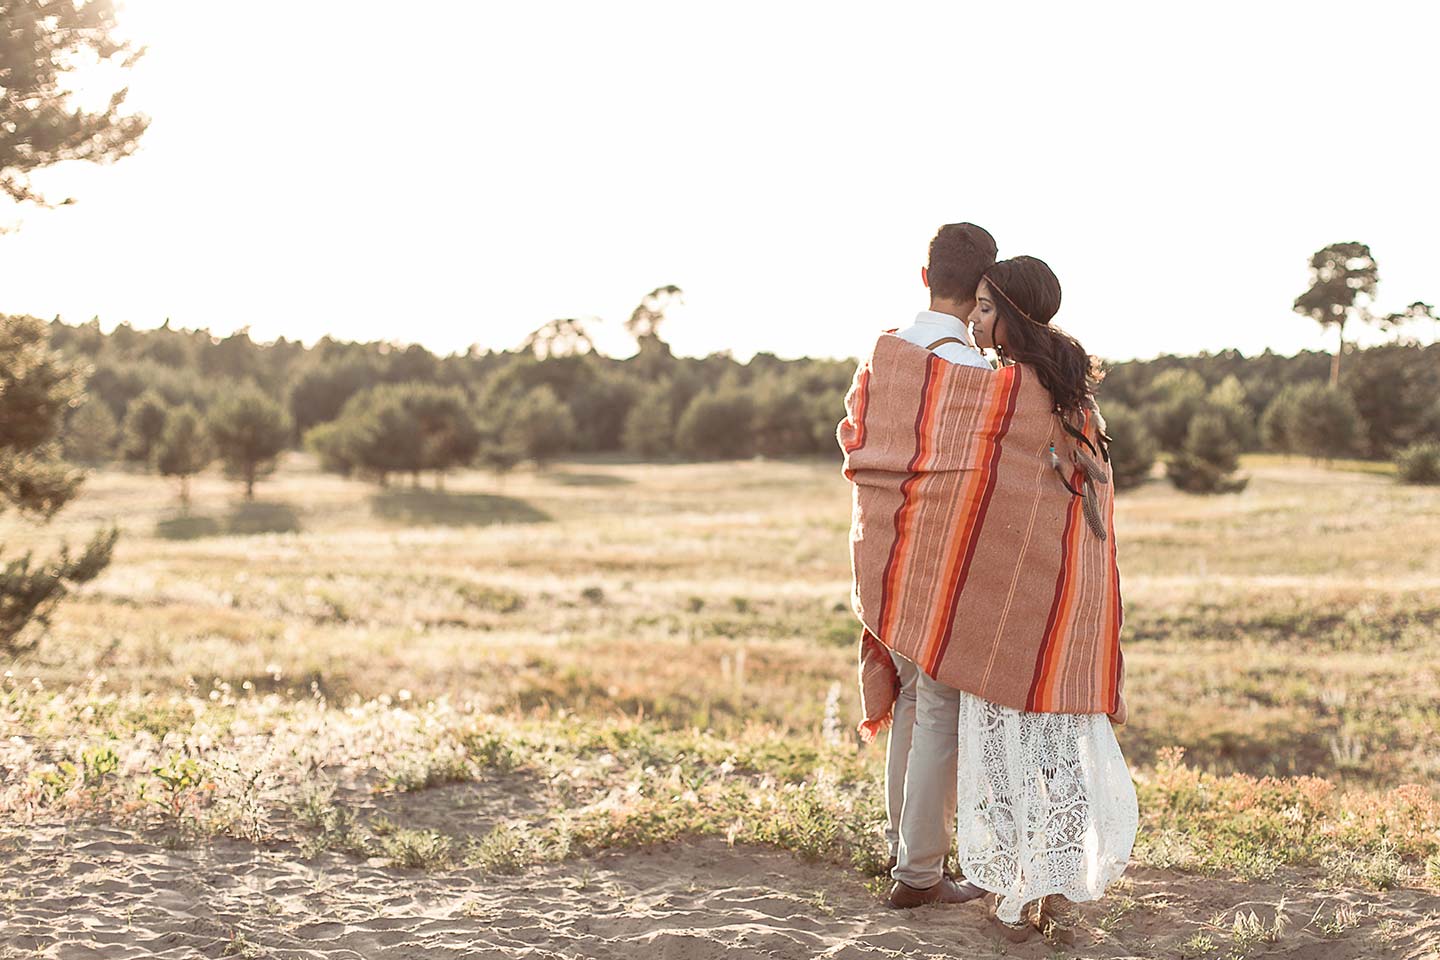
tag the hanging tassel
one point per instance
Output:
(1091, 504)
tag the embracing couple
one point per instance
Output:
(985, 579)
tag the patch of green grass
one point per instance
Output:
(418, 849)
(1380, 867)
(506, 849)
(1196, 945)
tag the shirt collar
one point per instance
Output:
(951, 324)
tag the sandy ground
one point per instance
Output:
(94, 891)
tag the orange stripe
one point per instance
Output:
(959, 543)
(1050, 672)
(899, 557)
(1111, 686)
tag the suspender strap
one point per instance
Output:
(947, 340)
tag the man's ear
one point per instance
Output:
(925, 277)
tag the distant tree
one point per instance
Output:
(374, 435)
(1324, 423)
(718, 424)
(322, 389)
(1339, 275)
(90, 434)
(1230, 399)
(1134, 450)
(645, 320)
(779, 421)
(1208, 461)
(331, 442)
(40, 42)
(1416, 312)
(250, 432)
(558, 338)
(37, 388)
(1391, 390)
(650, 424)
(497, 455)
(183, 449)
(450, 437)
(399, 428)
(236, 357)
(539, 426)
(144, 423)
(1275, 422)
(1170, 402)
(414, 364)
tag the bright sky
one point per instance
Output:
(456, 173)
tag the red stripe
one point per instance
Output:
(1011, 401)
(905, 485)
(1048, 638)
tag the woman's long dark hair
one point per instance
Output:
(1027, 296)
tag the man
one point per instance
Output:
(920, 756)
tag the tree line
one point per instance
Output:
(179, 399)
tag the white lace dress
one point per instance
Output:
(1045, 804)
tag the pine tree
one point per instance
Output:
(144, 422)
(1133, 451)
(90, 435)
(1208, 461)
(650, 424)
(40, 42)
(36, 389)
(539, 425)
(250, 432)
(1324, 422)
(183, 449)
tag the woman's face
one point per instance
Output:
(983, 319)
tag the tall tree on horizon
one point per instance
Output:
(1339, 274)
(40, 42)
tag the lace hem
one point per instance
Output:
(1045, 804)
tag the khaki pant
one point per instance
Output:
(920, 775)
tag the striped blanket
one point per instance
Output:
(974, 550)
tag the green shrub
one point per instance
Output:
(1419, 463)
(1209, 458)
(1133, 450)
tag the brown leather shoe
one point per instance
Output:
(1014, 932)
(903, 896)
(890, 868)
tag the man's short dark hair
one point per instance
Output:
(959, 254)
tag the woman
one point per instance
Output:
(1046, 807)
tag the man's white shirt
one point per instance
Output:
(930, 326)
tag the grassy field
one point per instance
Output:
(624, 656)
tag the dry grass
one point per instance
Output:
(643, 652)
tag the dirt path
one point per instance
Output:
(101, 892)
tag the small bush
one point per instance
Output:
(505, 849)
(1419, 463)
(424, 849)
(1209, 458)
